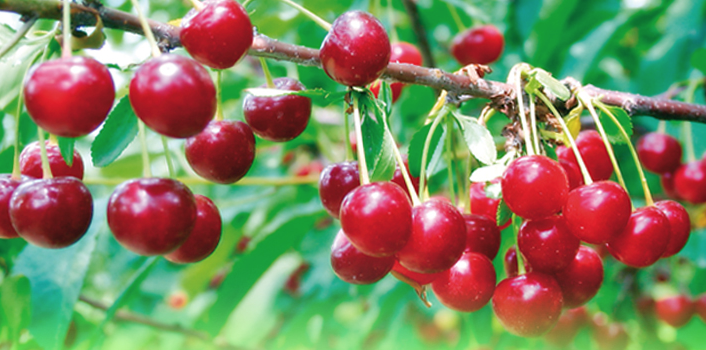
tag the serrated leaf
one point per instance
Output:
(416, 148)
(377, 143)
(612, 130)
(554, 86)
(698, 60)
(493, 190)
(503, 214)
(118, 131)
(488, 173)
(66, 146)
(479, 140)
(15, 299)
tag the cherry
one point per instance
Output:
(573, 173)
(528, 305)
(438, 238)
(7, 188)
(480, 45)
(676, 310)
(581, 280)
(336, 181)
(593, 152)
(482, 235)
(356, 50)
(377, 218)
(152, 216)
(279, 118)
(223, 152)
(609, 336)
(643, 240)
(547, 244)
(667, 181)
(205, 236)
(510, 262)
(598, 212)
(690, 182)
(31, 161)
(173, 95)
(395, 89)
(399, 179)
(483, 205)
(419, 278)
(569, 324)
(51, 213)
(659, 153)
(217, 35)
(291, 286)
(680, 224)
(178, 300)
(352, 266)
(700, 306)
(468, 285)
(400, 52)
(69, 97)
(534, 187)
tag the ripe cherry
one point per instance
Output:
(279, 118)
(223, 152)
(700, 306)
(534, 187)
(510, 262)
(581, 280)
(593, 152)
(643, 240)
(352, 266)
(400, 52)
(69, 97)
(480, 45)
(680, 224)
(482, 235)
(173, 95)
(7, 188)
(399, 179)
(690, 182)
(569, 324)
(419, 278)
(356, 50)
(667, 181)
(573, 173)
(51, 213)
(547, 244)
(395, 89)
(217, 35)
(336, 181)
(377, 218)
(205, 236)
(481, 204)
(151, 216)
(675, 310)
(598, 212)
(31, 162)
(468, 285)
(659, 153)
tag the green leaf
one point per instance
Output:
(119, 129)
(479, 140)
(551, 84)
(385, 97)
(416, 148)
(66, 146)
(321, 96)
(378, 144)
(132, 287)
(698, 60)
(612, 130)
(488, 173)
(504, 213)
(15, 301)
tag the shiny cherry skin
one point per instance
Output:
(7, 187)
(480, 45)
(51, 213)
(581, 280)
(438, 238)
(680, 224)
(534, 187)
(356, 50)
(152, 216)
(218, 35)
(31, 162)
(659, 153)
(510, 262)
(354, 267)
(593, 152)
(204, 237)
(419, 278)
(173, 95)
(643, 240)
(547, 244)
(377, 218)
(690, 182)
(400, 52)
(336, 181)
(468, 285)
(676, 310)
(69, 97)
(700, 306)
(279, 118)
(223, 152)
(482, 235)
(528, 305)
(481, 204)
(598, 212)
(573, 173)
(569, 324)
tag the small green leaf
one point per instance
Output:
(479, 140)
(553, 85)
(698, 60)
(378, 144)
(488, 173)
(117, 133)
(66, 146)
(504, 213)
(15, 301)
(416, 148)
(612, 130)
(385, 97)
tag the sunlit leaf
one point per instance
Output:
(118, 131)
(66, 146)
(416, 148)
(479, 140)
(613, 132)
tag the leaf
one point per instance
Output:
(15, 302)
(479, 140)
(377, 143)
(322, 96)
(550, 83)
(698, 60)
(385, 97)
(488, 173)
(130, 289)
(66, 146)
(118, 131)
(416, 148)
(612, 130)
(493, 190)
(503, 214)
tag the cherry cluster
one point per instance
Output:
(675, 310)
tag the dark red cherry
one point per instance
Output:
(31, 162)
(352, 266)
(51, 213)
(204, 237)
(481, 204)
(174, 95)
(528, 305)
(700, 306)
(667, 181)
(547, 244)
(598, 212)
(400, 52)
(217, 35)
(7, 188)
(279, 118)
(419, 278)
(581, 280)
(680, 224)
(643, 240)
(510, 262)
(482, 235)
(573, 173)
(223, 152)
(356, 50)
(534, 187)
(438, 238)
(593, 152)
(336, 181)
(395, 89)
(480, 45)
(690, 182)
(399, 179)
(676, 310)
(569, 324)
(377, 218)
(69, 97)
(151, 216)
(659, 153)
(468, 285)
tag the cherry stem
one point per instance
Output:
(168, 157)
(533, 122)
(66, 36)
(450, 155)
(347, 140)
(362, 165)
(420, 289)
(266, 72)
(456, 17)
(219, 94)
(662, 127)
(46, 168)
(423, 190)
(245, 3)
(246, 181)
(516, 222)
(403, 169)
(686, 127)
(146, 171)
(146, 29)
(198, 5)
(311, 15)
(521, 107)
(391, 17)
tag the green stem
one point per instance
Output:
(347, 140)
(245, 3)
(516, 222)
(466, 188)
(168, 157)
(423, 191)
(403, 169)
(456, 17)
(219, 96)
(311, 15)
(662, 127)
(522, 116)
(266, 72)
(46, 168)
(391, 17)
(18, 36)
(146, 29)
(146, 171)
(66, 35)
(362, 165)
(533, 123)
(450, 155)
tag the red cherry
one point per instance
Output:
(420, 278)
(528, 305)
(700, 306)
(510, 262)
(205, 236)
(354, 267)
(356, 50)
(609, 336)
(675, 311)
(395, 88)
(69, 97)
(291, 286)
(438, 238)
(598, 212)
(547, 244)
(482, 236)
(534, 187)
(223, 152)
(680, 224)
(690, 182)
(573, 173)
(645, 306)
(377, 218)
(581, 280)
(480, 45)
(217, 35)
(173, 95)
(593, 152)
(399, 179)
(31, 162)
(336, 181)
(400, 52)
(644, 239)
(481, 204)
(7, 188)
(51, 213)
(667, 181)
(569, 324)
(659, 153)
(468, 285)
(279, 118)
(151, 216)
